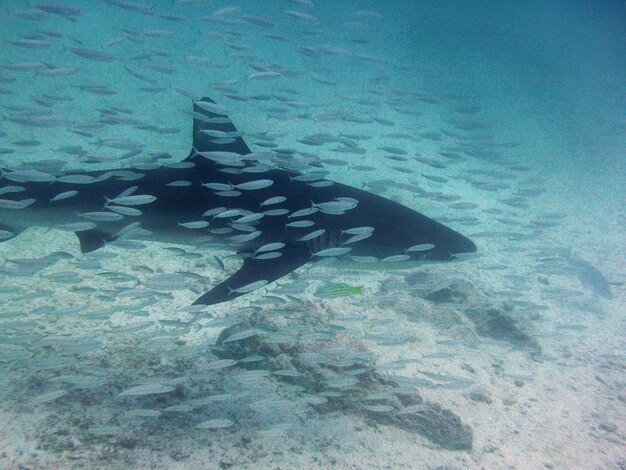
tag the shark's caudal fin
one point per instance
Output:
(255, 273)
(213, 131)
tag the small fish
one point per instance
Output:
(421, 247)
(124, 210)
(219, 263)
(252, 185)
(213, 212)
(332, 252)
(178, 409)
(148, 389)
(64, 195)
(276, 212)
(120, 144)
(270, 247)
(179, 184)
(268, 255)
(49, 396)
(249, 287)
(218, 186)
(312, 235)
(302, 16)
(16, 205)
(395, 258)
(59, 9)
(128, 191)
(91, 54)
(230, 213)
(136, 200)
(76, 179)
(300, 224)
(215, 424)
(364, 259)
(195, 224)
(241, 335)
(274, 200)
(77, 226)
(358, 238)
(263, 75)
(333, 291)
(102, 216)
(220, 364)
(215, 133)
(337, 207)
(358, 230)
(394, 150)
(304, 212)
(246, 219)
(228, 193)
(34, 176)
(143, 413)
(30, 43)
(379, 408)
(287, 373)
(211, 107)
(12, 189)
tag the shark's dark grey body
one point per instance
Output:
(395, 227)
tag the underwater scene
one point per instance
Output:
(312, 234)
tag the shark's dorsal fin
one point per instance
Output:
(208, 116)
(252, 274)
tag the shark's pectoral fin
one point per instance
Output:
(7, 232)
(91, 240)
(255, 273)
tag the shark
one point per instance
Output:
(275, 216)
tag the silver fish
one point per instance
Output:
(252, 185)
(270, 247)
(91, 54)
(64, 195)
(11, 204)
(332, 252)
(102, 216)
(136, 200)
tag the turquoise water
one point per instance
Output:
(502, 120)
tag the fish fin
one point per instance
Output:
(205, 143)
(91, 240)
(254, 270)
(14, 231)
